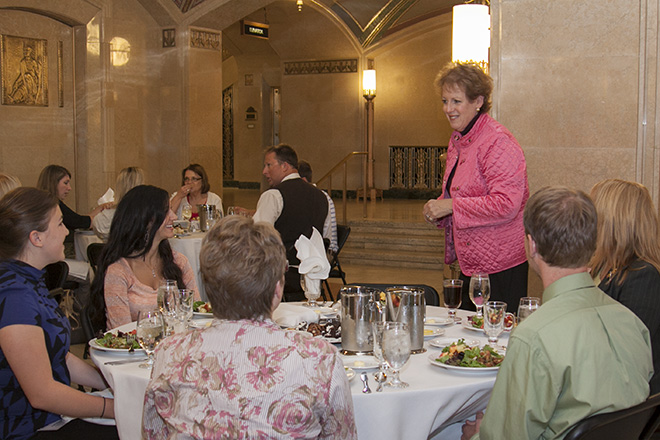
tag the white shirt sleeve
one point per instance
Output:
(269, 207)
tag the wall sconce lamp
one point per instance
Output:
(369, 93)
(471, 34)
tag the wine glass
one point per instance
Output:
(479, 291)
(396, 350)
(312, 289)
(186, 212)
(451, 296)
(528, 304)
(184, 310)
(167, 300)
(494, 312)
(150, 331)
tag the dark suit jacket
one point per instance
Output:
(640, 292)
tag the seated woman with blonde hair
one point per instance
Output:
(137, 258)
(7, 183)
(36, 367)
(627, 257)
(244, 376)
(127, 179)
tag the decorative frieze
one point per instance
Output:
(205, 39)
(416, 167)
(316, 67)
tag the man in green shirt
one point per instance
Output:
(581, 353)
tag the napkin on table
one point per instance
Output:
(314, 263)
(290, 315)
(108, 197)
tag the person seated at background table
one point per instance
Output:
(127, 179)
(330, 226)
(484, 188)
(195, 190)
(627, 258)
(7, 183)
(581, 353)
(56, 180)
(36, 367)
(244, 376)
(137, 258)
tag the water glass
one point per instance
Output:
(186, 212)
(528, 305)
(494, 312)
(312, 289)
(150, 330)
(452, 295)
(396, 350)
(184, 309)
(377, 330)
(479, 291)
(167, 300)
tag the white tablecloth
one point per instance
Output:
(436, 397)
(81, 240)
(190, 246)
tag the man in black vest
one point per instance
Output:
(293, 206)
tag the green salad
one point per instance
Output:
(462, 355)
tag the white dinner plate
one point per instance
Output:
(432, 332)
(438, 321)
(332, 340)
(468, 326)
(445, 341)
(200, 323)
(432, 359)
(94, 344)
(361, 364)
(350, 374)
(326, 312)
(203, 315)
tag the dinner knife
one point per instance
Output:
(126, 361)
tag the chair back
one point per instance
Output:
(342, 235)
(637, 422)
(94, 251)
(431, 296)
(56, 274)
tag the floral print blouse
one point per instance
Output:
(247, 380)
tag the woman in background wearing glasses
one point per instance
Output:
(194, 191)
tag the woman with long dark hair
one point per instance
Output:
(36, 367)
(137, 258)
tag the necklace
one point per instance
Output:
(153, 272)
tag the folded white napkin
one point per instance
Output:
(78, 269)
(311, 253)
(290, 315)
(108, 197)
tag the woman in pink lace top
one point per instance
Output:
(137, 258)
(244, 376)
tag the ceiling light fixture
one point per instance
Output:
(471, 34)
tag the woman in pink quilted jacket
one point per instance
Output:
(484, 189)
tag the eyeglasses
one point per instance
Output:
(192, 179)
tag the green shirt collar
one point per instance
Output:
(568, 284)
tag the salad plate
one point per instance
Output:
(203, 315)
(200, 323)
(468, 326)
(96, 344)
(433, 359)
(444, 341)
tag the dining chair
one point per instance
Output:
(637, 422)
(431, 296)
(94, 251)
(335, 266)
(56, 274)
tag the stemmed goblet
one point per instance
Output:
(150, 330)
(528, 305)
(312, 289)
(396, 350)
(452, 297)
(494, 313)
(377, 330)
(479, 291)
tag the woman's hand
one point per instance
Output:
(175, 201)
(96, 211)
(436, 209)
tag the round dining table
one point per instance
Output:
(435, 398)
(190, 245)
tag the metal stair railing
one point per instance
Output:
(344, 164)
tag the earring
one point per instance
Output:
(478, 109)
